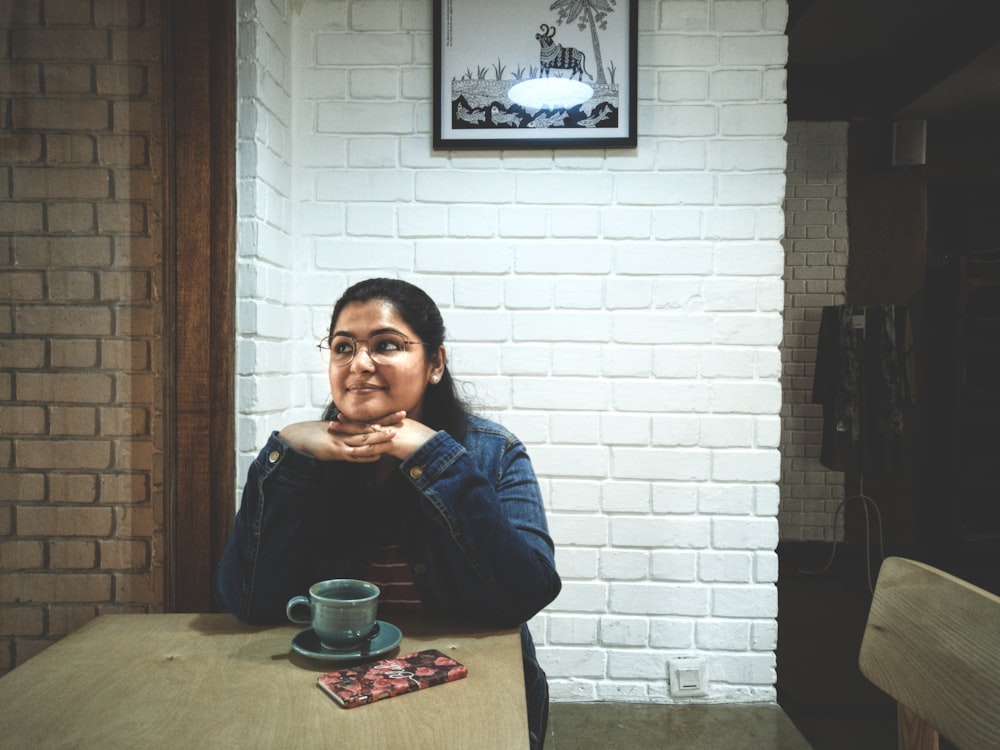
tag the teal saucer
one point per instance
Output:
(306, 642)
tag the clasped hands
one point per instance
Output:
(344, 439)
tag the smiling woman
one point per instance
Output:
(398, 484)
(389, 373)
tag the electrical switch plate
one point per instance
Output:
(688, 676)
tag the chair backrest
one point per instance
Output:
(933, 644)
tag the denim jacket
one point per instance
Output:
(470, 515)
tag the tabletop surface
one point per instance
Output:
(205, 680)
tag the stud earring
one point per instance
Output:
(435, 378)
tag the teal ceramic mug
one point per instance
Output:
(340, 611)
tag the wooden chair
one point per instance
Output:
(932, 643)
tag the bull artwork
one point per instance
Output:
(553, 55)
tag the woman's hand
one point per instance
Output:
(340, 440)
(358, 442)
(398, 436)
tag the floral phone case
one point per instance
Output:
(367, 683)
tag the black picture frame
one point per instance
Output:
(483, 48)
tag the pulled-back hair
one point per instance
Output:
(442, 407)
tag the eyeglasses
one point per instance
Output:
(383, 348)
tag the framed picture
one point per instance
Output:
(535, 74)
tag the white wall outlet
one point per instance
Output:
(688, 676)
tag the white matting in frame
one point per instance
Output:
(535, 74)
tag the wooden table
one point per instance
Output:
(207, 681)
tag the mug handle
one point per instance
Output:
(294, 610)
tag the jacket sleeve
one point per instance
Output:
(264, 564)
(491, 527)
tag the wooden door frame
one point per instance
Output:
(200, 269)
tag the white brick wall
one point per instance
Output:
(816, 247)
(620, 311)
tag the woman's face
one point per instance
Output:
(366, 391)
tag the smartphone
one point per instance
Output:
(367, 683)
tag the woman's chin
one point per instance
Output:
(369, 413)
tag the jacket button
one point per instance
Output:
(419, 569)
(416, 472)
(273, 456)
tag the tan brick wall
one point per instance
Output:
(816, 247)
(81, 486)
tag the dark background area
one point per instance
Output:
(918, 236)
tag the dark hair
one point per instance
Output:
(443, 409)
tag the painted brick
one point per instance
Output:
(660, 533)
(625, 429)
(761, 49)
(622, 631)
(575, 428)
(477, 326)
(745, 601)
(577, 596)
(764, 636)
(347, 49)
(624, 564)
(571, 495)
(625, 497)
(575, 663)
(659, 599)
(577, 563)
(726, 567)
(472, 221)
(722, 635)
(541, 326)
(421, 221)
(573, 361)
(393, 118)
(622, 325)
(741, 465)
(517, 221)
(580, 631)
(577, 530)
(573, 222)
(673, 565)
(766, 566)
(726, 499)
(529, 393)
(671, 633)
(464, 187)
(380, 83)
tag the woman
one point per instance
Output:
(397, 484)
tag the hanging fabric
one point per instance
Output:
(865, 377)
